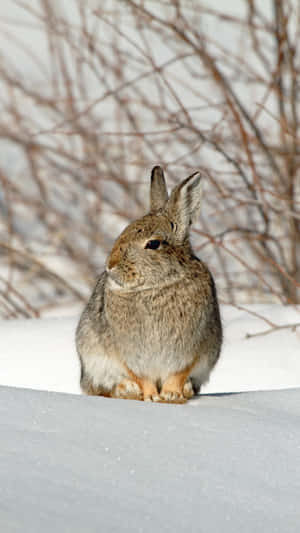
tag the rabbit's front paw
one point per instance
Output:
(150, 391)
(173, 388)
(152, 398)
(128, 390)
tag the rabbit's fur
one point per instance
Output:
(151, 329)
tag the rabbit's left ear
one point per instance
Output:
(158, 190)
(184, 204)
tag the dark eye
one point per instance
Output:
(153, 245)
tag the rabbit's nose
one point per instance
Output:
(113, 261)
(110, 265)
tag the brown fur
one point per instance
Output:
(152, 326)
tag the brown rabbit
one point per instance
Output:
(151, 329)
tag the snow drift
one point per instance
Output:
(225, 463)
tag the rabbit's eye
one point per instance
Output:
(153, 245)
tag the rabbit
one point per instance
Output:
(152, 329)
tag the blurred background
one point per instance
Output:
(93, 94)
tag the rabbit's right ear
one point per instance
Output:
(158, 190)
(184, 204)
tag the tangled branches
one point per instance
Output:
(108, 92)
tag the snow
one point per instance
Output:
(220, 463)
(40, 354)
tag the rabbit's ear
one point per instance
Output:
(184, 204)
(158, 190)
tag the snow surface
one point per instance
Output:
(223, 463)
(40, 354)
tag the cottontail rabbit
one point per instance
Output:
(151, 329)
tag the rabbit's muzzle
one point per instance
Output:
(119, 278)
(121, 269)
(122, 274)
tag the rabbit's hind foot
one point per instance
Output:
(89, 388)
(128, 390)
(188, 391)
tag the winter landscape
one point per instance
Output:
(93, 94)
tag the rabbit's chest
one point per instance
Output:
(155, 334)
(169, 318)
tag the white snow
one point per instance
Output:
(40, 354)
(223, 462)
(82, 464)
